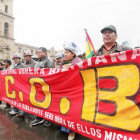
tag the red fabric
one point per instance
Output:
(103, 78)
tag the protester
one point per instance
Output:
(109, 35)
(35, 58)
(28, 63)
(69, 60)
(58, 57)
(82, 56)
(137, 47)
(7, 66)
(17, 64)
(43, 62)
(1, 66)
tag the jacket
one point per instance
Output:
(29, 64)
(17, 66)
(45, 63)
(119, 48)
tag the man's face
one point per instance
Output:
(6, 65)
(27, 58)
(109, 37)
(58, 60)
(1, 66)
(16, 60)
(41, 54)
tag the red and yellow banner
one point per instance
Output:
(98, 98)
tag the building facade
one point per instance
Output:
(7, 41)
(8, 46)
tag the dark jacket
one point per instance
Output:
(29, 64)
(1, 69)
(119, 48)
(17, 66)
(45, 63)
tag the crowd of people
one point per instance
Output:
(63, 60)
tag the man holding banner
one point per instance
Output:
(109, 35)
(43, 62)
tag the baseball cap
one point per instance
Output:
(110, 27)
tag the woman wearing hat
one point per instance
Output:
(70, 59)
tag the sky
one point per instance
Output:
(52, 23)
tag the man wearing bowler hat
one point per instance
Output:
(17, 65)
(109, 35)
(28, 61)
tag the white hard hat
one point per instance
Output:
(27, 53)
(16, 55)
(59, 55)
(71, 47)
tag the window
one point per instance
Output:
(6, 29)
(6, 8)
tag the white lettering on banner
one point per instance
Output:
(89, 131)
(135, 53)
(53, 71)
(42, 71)
(115, 136)
(100, 59)
(24, 71)
(24, 106)
(98, 131)
(71, 124)
(80, 64)
(65, 69)
(49, 116)
(121, 56)
(60, 120)
(5, 72)
(8, 100)
(30, 71)
(72, 67)
(32, 109)
(89, 62)
(36, 71)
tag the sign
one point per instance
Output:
(98, 98)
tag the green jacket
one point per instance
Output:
(118, 48)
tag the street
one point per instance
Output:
(14, 128)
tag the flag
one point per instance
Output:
(90, 52)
